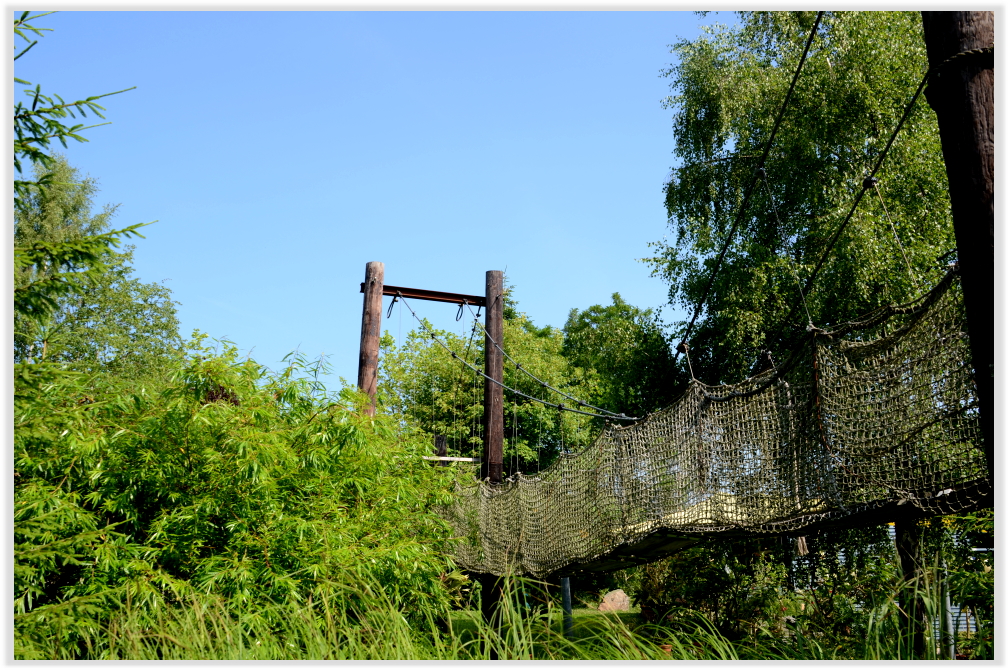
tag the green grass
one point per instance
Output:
(368, 627)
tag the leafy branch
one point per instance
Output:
(36, 127)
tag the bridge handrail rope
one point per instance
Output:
(480, 372)
(868, 320)
(457, 384)
(875, 417)
(522, 368)
(752, 183)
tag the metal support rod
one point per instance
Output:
(948, 641)
(568, 616)
(367, 364)
(493, 394)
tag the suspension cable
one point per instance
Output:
(480, 372)
(522, 368)
(865, 185)
(752, 183)
(773, 205)
(913, 275)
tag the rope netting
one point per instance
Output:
(859, 422)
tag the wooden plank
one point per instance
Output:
(436, 296)
(460, 459)
(367, 364)
(493, 394)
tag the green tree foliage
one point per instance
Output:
(861, 72)
(434, 392)
(229, 480)
(972, 578)
(109, 320)
(61, 262)
(731, 583)
(218, 477)
(840, 597)
(62, 212)
(38, 121)
(625, 346)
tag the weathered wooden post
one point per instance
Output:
(960, 50)
(493, 394)
(492, 467)
(367, 365)
(441, 449)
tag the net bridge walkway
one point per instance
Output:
(868, 421)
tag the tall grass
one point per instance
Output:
(361, 622)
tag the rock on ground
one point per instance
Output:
(615, 601)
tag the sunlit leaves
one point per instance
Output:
(38, 122)
(240, 481)
(432, 392)
(862, 70)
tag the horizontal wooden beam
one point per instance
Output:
(450, 458)
(436, 296)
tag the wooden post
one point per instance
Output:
(441, 449)
(490, 602)
(961, 92)
(367, 365)
(493, 422)
(493, 394)
(912, 613)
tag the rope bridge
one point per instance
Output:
(873, 419)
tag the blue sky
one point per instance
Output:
(281, 151)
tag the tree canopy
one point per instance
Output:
(110, 319)
(433, 391)
(861, 72)
(627, 348)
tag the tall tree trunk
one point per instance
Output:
(961, 92)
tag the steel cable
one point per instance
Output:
(520, 367)
(865, 185)
(752, 183)
(480, 372)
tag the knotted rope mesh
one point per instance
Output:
(859, 423)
